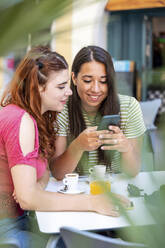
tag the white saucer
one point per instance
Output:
(78, 191)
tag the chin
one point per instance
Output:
(59, 109)
(94, 104)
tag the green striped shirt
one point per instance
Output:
(132, 125)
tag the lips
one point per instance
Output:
(63, 102)
(94, 98)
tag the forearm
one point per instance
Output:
(131, 161)
(50, 201)
(66, 162)
(32, 197)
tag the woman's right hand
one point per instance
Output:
(104, 205)
(88, 140)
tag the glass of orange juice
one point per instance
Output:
(99, 187)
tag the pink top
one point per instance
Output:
(11, 155)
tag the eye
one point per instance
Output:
(61, 87)
(87, 81)
(103, 82)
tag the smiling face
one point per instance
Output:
(91, 83)
(56, 93)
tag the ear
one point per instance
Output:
(74, 79)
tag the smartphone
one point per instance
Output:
(107, 120)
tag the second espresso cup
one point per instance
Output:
(98, 170)
(71, 181)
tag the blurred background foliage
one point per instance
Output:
(151, 235)
(21, 20)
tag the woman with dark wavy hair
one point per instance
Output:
(79, 145)
(38, 91)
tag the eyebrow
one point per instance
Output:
(92, 76)
(63, 83)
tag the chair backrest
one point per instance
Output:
(150, 142)
(74, 238)
(9, 243)
(150, 110)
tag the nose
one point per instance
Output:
(68, 91)
(95, 86)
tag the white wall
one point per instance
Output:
(85, 24)
(89, 25)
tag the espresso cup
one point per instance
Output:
(98, 170)
(71, 181)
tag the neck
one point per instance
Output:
(90, 110)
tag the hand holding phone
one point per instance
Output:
(113, 120)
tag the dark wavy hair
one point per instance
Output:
(109, 106)
(23, 91)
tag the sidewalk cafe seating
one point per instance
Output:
(152, 142)
(74, 238)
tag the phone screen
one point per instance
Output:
(107, 120)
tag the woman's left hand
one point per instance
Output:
(115, 140)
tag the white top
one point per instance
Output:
(51, 222)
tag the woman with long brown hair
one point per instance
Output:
(79, 145)
(38, 90)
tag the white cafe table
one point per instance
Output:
(50, 222)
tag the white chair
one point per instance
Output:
(55, 242)
(150, 110)
(74, 238)
(152, 141)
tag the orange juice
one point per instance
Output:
(99, 187)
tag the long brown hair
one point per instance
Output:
(23, 91)
(109, 106)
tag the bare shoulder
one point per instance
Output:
(27, 120)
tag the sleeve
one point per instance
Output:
(63, 122)
(13, 149)
(135, 126)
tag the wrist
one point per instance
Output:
(128, 148)
(76, 146)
